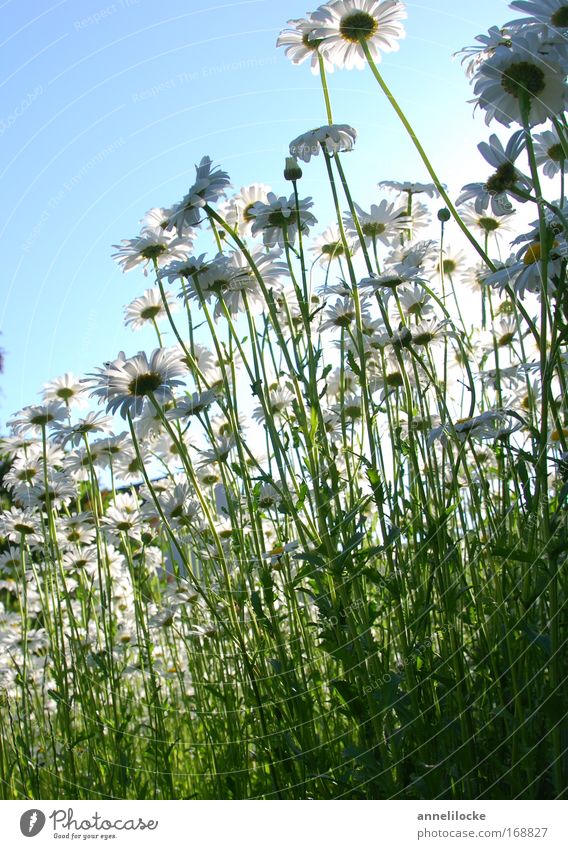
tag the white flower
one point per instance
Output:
(342, 314)
(343, 24)
(549, 152)
(153, 243)
(489, 425)
(277, 219)
(523, 273)
(414, 301)
(486, 223)
(300, 44)
(329, 246)
(477, 55)
(410, 188)
(149, 307)
(504, 180)
(334, 137)
(278, 401)
(551, 13)
(526, 73)
(16, 524)
(236, 211)
(384, 222)
(192, 404)
(36, 417)
(230, 281)
(210, 184)
(75, 433)
(67, 389)
(125, 383)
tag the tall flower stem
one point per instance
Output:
(429, 167)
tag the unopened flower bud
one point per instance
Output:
(444, 215)
(292, 170)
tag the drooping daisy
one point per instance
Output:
(476, 55)
(336, 138)
(153, 243)
(149, 307)
(410, 188)
(344, 24)
(527, 73)
(277, 219)
(125, 383)
(210, 185)
(300, 44)
(491, 424)
(549, 152)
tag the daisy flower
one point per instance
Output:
(414, 301)
(383, 222)
(549, 152)
(491, 424)
(300, 44)
(410, 188)
(125, 383)
(451, 262)
(236, 211)
(75, 433)
(17, 524)
(344, 24)
(123, 516)
(210, 184)
(149, 307)
(66, 389)
(430, 331)
(153, 243)
(335, 138)
(35, 418)
(278, 401)
(192, 405)
(488, 44)
(277, 219)
(504, 180)
(328, 246)
(524, 73)
(485, 223)
(341, 315)
(523, 273)
(551, 13)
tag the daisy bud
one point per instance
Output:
(444, 215)
(292, 170)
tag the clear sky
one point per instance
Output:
(105, 107)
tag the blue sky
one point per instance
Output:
(105, 107)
